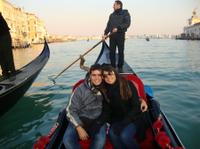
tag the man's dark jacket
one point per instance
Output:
(119, 19)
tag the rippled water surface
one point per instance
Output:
(171, 67)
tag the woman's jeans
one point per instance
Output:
(125, 140)
(71, 138)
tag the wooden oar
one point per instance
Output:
(54, 79)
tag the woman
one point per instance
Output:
(125, 109)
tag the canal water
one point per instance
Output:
(171, 67)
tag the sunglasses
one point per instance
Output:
(105, 75)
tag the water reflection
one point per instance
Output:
(193, 56)
(25, 55)
(21, 120)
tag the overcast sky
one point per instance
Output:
(89, 17)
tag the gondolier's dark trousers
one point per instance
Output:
(6, 55)
(117, 41)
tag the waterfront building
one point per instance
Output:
(36, 29)
(192, 30)
(25, 28)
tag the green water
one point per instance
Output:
(171, 67)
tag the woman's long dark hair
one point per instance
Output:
(125, 91)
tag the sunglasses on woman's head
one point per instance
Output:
(105, 75)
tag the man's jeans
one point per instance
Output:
(71, 138)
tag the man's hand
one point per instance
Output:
(114, 30)
(104, 37)
(82, 133)
(143, 105)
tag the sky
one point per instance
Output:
(89, 17)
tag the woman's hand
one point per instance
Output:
(82, 133)
(143, 105)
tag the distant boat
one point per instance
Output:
(14, 87)
(147, 39)
(160, 134)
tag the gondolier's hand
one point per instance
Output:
(143, 105)
(82, 133)
(104, 37)
(114, 30)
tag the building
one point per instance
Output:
(25, 28)
(36, 29)
(192, 31)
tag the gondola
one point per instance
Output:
(14, 87)
(159, 133)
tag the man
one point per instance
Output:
(84, 113)
(118, 23)
(6, 56)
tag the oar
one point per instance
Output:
(54, 79)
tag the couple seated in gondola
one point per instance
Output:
(104, 99)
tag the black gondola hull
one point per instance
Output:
(13, 88)
(9, 100)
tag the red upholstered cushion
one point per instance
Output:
(162, 139)
(41, 143)
(85, 144)
(77, 84)
(138, 84)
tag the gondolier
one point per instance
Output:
(118, 23)
(6, 55)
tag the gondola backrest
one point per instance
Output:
(77, 84)
(138, 84)
(131, 77)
